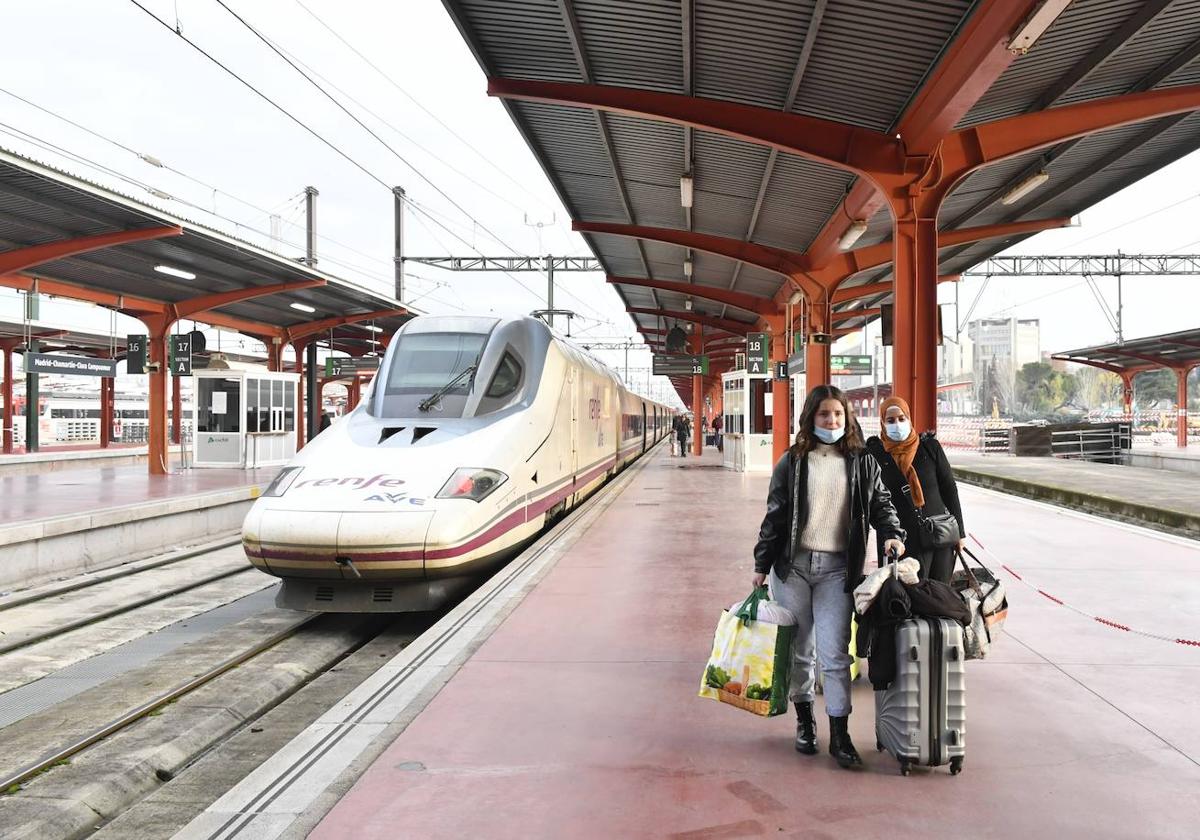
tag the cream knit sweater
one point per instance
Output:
(828, 501)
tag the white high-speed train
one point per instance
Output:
(476, 433)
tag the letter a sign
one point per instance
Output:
(181, 355)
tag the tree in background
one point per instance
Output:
(1154, 389)
(1097, 389)
(1042, 391)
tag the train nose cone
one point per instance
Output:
(342, 545)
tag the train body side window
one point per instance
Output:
(506, 379)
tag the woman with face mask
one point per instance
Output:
(824, 494)
(917, 473)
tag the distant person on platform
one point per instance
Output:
(680, 427)
(917, 474)
(825, 492)
(326, 421)
(716, 427)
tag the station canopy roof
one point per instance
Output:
(1180, 350)
(40, 205)
(874, 65)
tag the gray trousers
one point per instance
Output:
(816, 596)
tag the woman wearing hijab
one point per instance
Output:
(916, 472)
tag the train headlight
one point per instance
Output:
(283, 481)
(471, 483)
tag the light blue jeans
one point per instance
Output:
(822, 608)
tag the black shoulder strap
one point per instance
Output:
(891, 470)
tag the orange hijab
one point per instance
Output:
(902, 451)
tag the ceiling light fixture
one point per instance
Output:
(688, 267)
(796, 297)
(1036, 25)
(303, 307)
(687, 304)
(851, 235)
(1025, 186)
(372, 328)
(174, 272)
(686, 191)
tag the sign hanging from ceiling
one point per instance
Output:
(135, 354)
(69, 365)
(348, 365)
(758, 352)
(679, 365)
(849, 365)
(181, 355)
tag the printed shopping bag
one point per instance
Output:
(750, 657)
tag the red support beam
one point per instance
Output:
(735, 327)
(197, 305)
(854, 313)
(859, 150)
(741, 300)
(1181, 403)
(299, 331)
(787, 263)
(975, 59)
(847, 294)
(20, 259)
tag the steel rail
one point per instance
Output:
(59, 754)
(125, 570)
(123, 608)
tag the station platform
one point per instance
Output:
(69, 521)
(574, 712)
(1145, 495)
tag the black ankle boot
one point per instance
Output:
(806, 729)
(840, 745)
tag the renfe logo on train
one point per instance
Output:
(352, 481)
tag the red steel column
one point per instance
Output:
(176, 409)
(697, 394)
(781, 419)
(1181, 412)
(108, 387)
(157, 436)
(7, 349)
(914, 327)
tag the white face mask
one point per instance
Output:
(898, 431)
(829, 435)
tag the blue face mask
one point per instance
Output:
(829, 435)
(899, 430)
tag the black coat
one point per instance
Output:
(787, 514)
(937, 486)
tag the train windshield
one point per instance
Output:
(422, 363)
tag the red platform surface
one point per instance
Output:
(579, 717)
(29, 498)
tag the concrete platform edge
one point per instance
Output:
(1168, 521)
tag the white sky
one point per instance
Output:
(108, 66)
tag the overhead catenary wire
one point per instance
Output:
(360, 123)
(387, 78)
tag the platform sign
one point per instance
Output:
(350, 365)
(758, 353)
(69, 365)
(181, 355)
(135, 354)
(680, 365)
(781, 370)
(849, 365)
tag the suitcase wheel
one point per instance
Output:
(878, 746)
(956, 765)
(905, 767)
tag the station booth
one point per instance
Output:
(244, 418)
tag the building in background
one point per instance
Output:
(1001, 346)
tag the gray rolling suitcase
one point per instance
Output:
(921, 717)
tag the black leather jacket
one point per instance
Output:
(787, 513)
